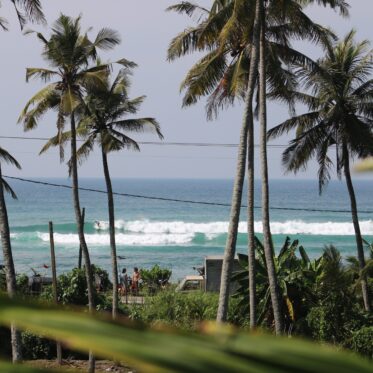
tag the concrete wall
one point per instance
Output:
(213, 274)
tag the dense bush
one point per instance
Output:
(156, 275)
(183, 310)
(72, 287)
(35, 347)
(362, 341)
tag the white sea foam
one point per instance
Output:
(213, 229)
(148, 233)
(121, 239)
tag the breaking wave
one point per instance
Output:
(121, 239)
(213, 229)
(153, 233)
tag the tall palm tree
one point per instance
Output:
(281, 11)
(267, 238)
(7, 249)
(26, 10)
(70, 52)
(103, 122)
(226, 34)
(203, 78)
(339, 95)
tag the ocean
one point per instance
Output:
(174, 235)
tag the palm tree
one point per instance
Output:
(267, 239)
(70, 53)
(201, 80)
(339, 95)
(103, 122)
(7, 250)
(26, 10)
(226, 33)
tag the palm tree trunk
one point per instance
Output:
(80, 226)
(110, 200)
(230, 246)
(267, 240)
(9, 270)
(250, 224)
(355, 221)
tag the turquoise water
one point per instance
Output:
(171, 234)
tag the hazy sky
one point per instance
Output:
(146, 30)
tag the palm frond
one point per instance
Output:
(138, 125)
(8, 158)
(106, 39)
(9, 189)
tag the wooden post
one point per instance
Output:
(54, 284)
(80, 248)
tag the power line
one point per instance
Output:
(158, 143)
(45, 183)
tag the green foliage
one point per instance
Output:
(295, 277)
(35, 347)
(155, 277)
(335, 313)
(362, 341)
(22, 284)
(72, 287)
(321, 298)
(214, 349)
(182, 310)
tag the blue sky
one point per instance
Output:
(146, 30)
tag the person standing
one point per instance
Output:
(123, 280)
(135, 281)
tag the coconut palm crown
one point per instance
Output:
(69, 52)
(339, 95)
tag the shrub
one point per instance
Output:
(35, 347)
(155, 277)
(183, 310)
(72, 287)
(362, 342)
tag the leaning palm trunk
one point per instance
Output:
(111, 232)
(267, 240)
(355, 221)
(80, 226)
(247, 124)
(9, 270)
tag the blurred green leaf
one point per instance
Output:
(17, 368)
(365, 166)
(215, 349)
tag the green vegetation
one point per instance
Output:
(248, 56)
(215, 348)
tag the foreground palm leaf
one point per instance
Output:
(11, 368)
(216, 349)
(365, 166)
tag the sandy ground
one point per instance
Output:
(81, 366)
